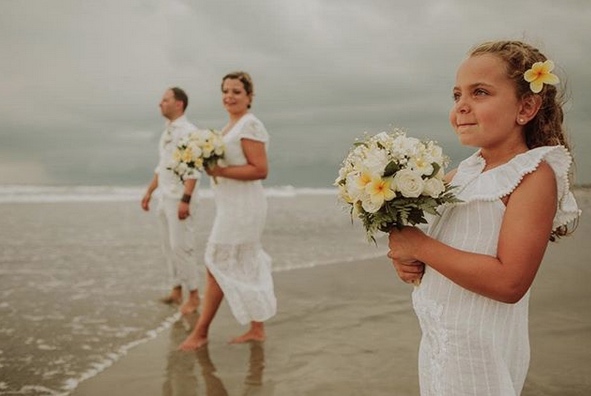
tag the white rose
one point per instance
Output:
(433, 187)
(368, 205)
(195, 149)
(182, 168)
(409, 183)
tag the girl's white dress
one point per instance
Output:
(473, 345)
(234, 254)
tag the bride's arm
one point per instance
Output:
(256, 166)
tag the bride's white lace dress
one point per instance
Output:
(234, 254)
(473, 345)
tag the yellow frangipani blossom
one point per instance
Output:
(540, 74)
(363, 179)
(187, 155)
(380, 190)
(198, 162)
(177, 155)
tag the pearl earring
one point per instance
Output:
(521, 121)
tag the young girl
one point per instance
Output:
(479, 258)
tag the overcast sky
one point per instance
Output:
(80, 81)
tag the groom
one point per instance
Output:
(176, 205)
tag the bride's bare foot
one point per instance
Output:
(191, 304)
(250, 335)
(193, 342)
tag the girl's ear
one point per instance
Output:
(530, 105)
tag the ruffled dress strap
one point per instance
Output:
(248, 127)
(475, 185)
(253, 129)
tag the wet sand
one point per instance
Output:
(349, 329)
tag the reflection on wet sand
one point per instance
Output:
(256, 364)
(182, 373)
(213, 384)
(253, 382)
(181, 378)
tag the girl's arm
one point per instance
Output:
(256, 167)
(523, 239)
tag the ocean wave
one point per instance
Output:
(49, 194)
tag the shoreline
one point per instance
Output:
(324, 327)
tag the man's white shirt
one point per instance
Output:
(169, 184)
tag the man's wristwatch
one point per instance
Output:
(186, 198)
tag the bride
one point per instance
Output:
(237, 266)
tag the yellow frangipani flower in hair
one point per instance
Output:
(540, 74)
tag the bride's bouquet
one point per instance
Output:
(390, 180)
(199, 150)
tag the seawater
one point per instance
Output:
(81, 272)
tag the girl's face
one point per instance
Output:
(235, 98)
(486, 107)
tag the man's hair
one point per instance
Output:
(180, 95)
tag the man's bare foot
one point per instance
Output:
(175, 296)
(250, 335)
(193, 342)
(191, 304)
(171, 300)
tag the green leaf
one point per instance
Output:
(391, 169)
(436, 168)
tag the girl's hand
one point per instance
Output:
(403, 246)
(409, 272)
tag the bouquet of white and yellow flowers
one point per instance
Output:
(390, 180)
(199, 150)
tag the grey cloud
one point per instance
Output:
(82, 80)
